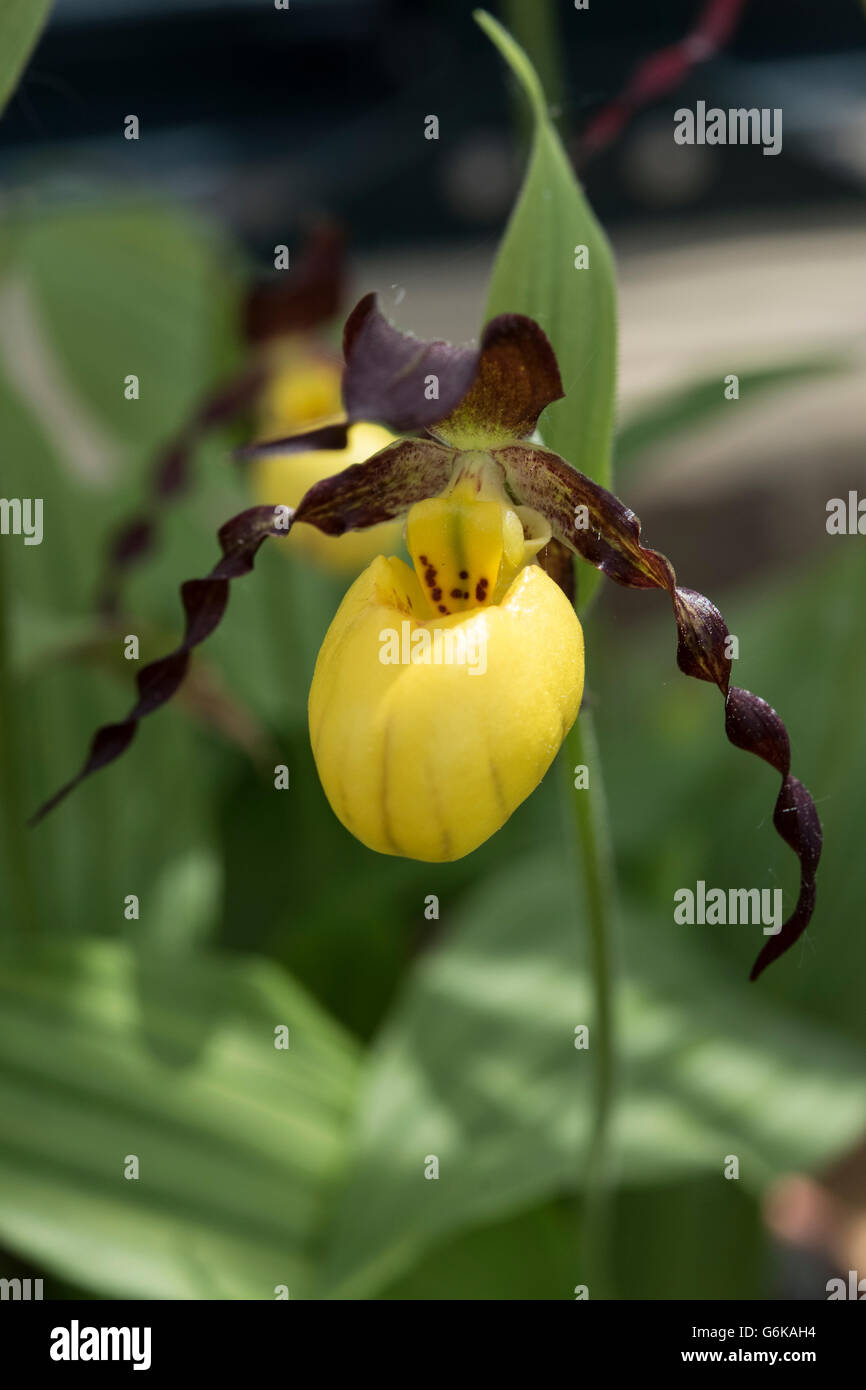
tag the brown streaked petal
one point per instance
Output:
(383, 487)
(204, 603)
(387, 378)
(517, 377)
(542, 480)
(611, 541)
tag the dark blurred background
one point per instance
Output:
(262, 122)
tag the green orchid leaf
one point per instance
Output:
(697, 403)
(664, 1233)
(479, 1069)
(87, 296)
(238, 1147)
(123, 288)
(555, 265)
(21, 23)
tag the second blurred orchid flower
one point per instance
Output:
(288, 381)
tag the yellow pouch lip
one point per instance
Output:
(428, 761)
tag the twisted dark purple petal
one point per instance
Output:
(204, 603)
(362, 495)
(380, 489)
(610, 540)
(170, 478)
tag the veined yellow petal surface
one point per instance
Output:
(425, 744)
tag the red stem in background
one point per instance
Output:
(662, 71)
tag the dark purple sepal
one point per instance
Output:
(517, 377)
(468, 397)
(396, 379)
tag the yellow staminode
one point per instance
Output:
(430, 727)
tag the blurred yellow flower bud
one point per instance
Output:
(286, 477)
(302, 390)
(442, 695)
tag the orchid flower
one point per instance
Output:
(288, 381)
(423, 757)
(302, 390)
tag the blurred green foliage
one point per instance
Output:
(21, 22)
(657, 423)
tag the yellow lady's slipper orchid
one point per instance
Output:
(303, 389)
(442, 694)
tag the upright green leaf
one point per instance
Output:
(552, 232)
(21, 22)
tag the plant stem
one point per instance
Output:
(595, 865)
(18, 871)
